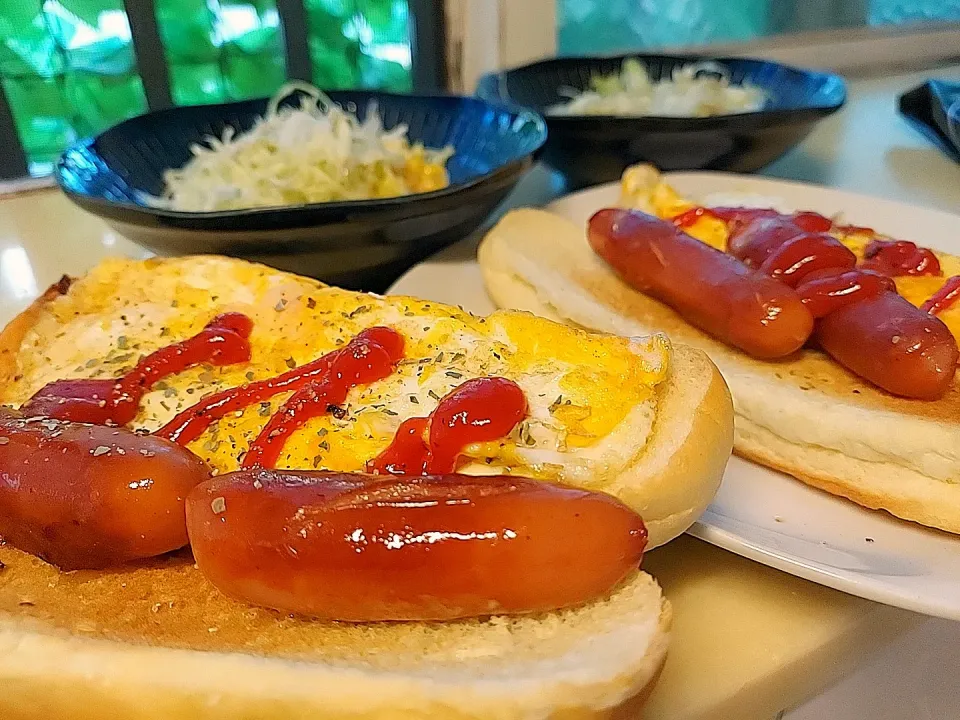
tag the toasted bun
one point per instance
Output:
(159, 642)
(156, 640)
(806, 416)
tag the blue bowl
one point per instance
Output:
(362, 244)
(590, 149)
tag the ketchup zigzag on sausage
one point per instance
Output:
(710, 289)
(868, 408)
(863, 324)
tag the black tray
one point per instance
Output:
(934, 109)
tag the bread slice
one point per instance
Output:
(158, 642)
(806, 415)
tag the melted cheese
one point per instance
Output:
(663, 201)
(585, 392)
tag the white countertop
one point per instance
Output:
(869, 148)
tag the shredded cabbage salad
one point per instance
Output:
(316, 152)
(686, 94)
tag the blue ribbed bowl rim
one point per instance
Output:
(526, 117)
(491, 88)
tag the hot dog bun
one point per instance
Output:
(806, 415)
(156, 640)
(159, 642)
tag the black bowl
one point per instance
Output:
(591, 149)
(358, 244)
(933, 108)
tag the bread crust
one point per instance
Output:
(806, 416)
(103, 667)
(678, 474)
(13, 334)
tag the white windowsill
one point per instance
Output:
(498, 34)
(855, 51)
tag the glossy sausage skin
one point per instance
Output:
(893, 344)
(89, 496)
(753, 242)
(824, 292)
(369, 548)
(709, 288)
(805, 254)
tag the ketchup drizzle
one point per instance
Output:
(806, 220)
(362, 361)
(115, 401)
(900, 257)
(944, 298)
(479, 410)
(408, 452)
(820, 267)
(800, 256)
(824, 293)
(190, 423)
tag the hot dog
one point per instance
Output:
(89, 496)
(863, 323)
(371, 548)
(885, 340)
(710, 289)
(893, 344)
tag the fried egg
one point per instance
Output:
(591, 398)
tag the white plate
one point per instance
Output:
(759, 513)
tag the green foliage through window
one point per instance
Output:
(69, 67)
